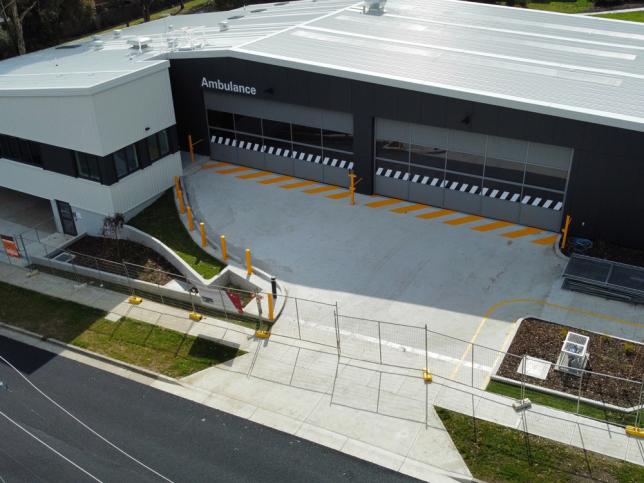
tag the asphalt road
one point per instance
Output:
(179, 439)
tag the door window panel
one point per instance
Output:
(394, 150)
(221, 119)
(465, 163)
(504, 170)
(247, 124)
(276, 129)
(307, 135)
(541, 176)
(337, 140)
(429, 156)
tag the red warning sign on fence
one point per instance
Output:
(10, 246)
(236, 300)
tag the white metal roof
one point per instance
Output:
(573, 66)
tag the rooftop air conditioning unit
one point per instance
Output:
(574, 354)
(374, 6)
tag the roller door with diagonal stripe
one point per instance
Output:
(293, 140)
(496, 177)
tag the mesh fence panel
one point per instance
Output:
(446, 356)
(403, 346)
(359, 339)
(317, 322)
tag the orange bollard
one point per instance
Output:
(224, 250)
(202, 228)
(249, 264)
(182, 206)
(191, 221)
(271, 308)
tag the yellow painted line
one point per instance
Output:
(407, 209)
(339, 196)
(548, 240)
(258, 174)
(215, 165)
(300, 184)
(321, 189)
(492, 226)
(385, 202)
(279, 179)
(463, 219)
(522, 232)
(435, 214)
(239, 169)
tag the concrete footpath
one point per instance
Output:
(377, 413)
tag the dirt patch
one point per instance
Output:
(147, 265)
(608, 357)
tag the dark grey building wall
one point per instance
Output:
(604, 193)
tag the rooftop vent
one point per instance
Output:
(117, 33)
(257, 10)
(235, 17)
(223, 26)
(374, 7)
(68, 46)
(139, 43)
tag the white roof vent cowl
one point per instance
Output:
(139, 42)
(223, 26)
(374, 6)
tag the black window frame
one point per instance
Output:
(130, 158)
(90, 163)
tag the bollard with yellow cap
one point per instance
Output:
(224, 250)
(202, 229)
(271, 307)
(191, 221)
(249, 264)
(182, 206)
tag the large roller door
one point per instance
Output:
(294, 140)
(501, 178)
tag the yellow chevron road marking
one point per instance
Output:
(321, 189)
(300, 184)
(548, 240)
(239, 169)
(258, 174)
(407, 209)
(492, 226)
(462, 220)
(523, 232)
(279, 179)
(385, 202)
(435, 214)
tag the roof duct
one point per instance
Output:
(374, 7)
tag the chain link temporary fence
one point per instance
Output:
(592, 394)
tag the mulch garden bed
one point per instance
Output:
(156, 269)
(607, 355)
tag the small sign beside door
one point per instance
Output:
(10, 246)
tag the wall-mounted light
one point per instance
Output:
(147, 128)
(467, 120)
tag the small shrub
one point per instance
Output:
(630, 348)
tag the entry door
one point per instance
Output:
(66, 218)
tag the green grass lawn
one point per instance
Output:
(498, 454)
(161, 220)
(562, 403)
(576, 6)
(631, 16)
(161, 350)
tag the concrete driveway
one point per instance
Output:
(467, 277)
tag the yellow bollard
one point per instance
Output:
(224, 250)
(191, 148)
(271, 308)
(564, 238)
(191, 221)
(249, 264)
(182, 206)
(352, 186)
(202, 228)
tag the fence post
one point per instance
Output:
(523, 377)
(297, 315)
(472, 365)
(379, 342)
(336, 320)
(638, 419)
(98, 270)
(581, 378)
(426, 385)
(223, 304)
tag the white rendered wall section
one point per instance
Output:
(92, 201)
(132, 111)
(98, 124)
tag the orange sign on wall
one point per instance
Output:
(10, 246)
